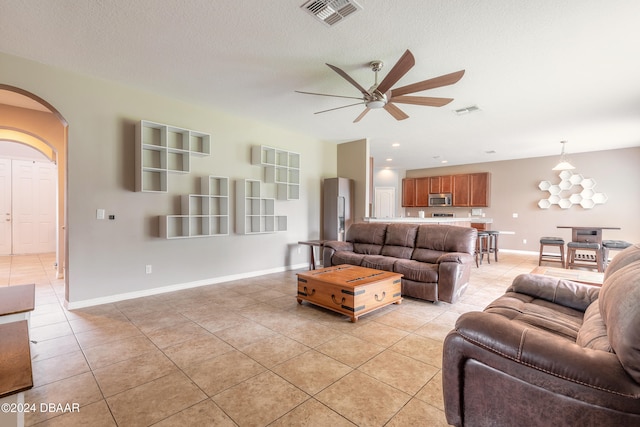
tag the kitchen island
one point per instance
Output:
(462, 221)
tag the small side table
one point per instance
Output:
(312, 245)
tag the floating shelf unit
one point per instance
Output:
(163, 149)
(280, 167)
(203, 215)
(255, 214)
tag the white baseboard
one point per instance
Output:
(177, 287)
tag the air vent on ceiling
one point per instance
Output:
(330, 12)
(467, 110)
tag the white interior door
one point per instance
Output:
(33, 207)
(5, 207)
(385, 200)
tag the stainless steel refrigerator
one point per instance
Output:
(338, 208)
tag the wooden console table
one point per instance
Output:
(17, 302)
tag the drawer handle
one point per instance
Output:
(333, 297)
(384, 295)
(312, 293)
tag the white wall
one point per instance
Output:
(107, 258)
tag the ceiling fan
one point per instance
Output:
(383, 96)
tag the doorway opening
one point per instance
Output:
(29, 120)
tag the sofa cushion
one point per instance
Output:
(434, 240)
(593, 333)
(363, 232)
(347, 257)
(417, 271)
(626, 257)
(539, 313)
(379, 262)
(619, 301)
(400, 240)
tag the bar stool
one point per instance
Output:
(575, 259)
(493, 243)
(612, 245)
(482, 247)
(552, 241)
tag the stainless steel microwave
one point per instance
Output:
(442, 199)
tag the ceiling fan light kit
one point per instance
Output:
(383, 96)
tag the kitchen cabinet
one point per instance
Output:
(409, 192)
(422, 192)
(440, 184)
(479, 188)
(461, 190)
(471, 189)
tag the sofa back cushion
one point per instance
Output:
(434, 240)
(626, 257)
(618, 302)
(593, 332)
(400, 240)
(367, 238)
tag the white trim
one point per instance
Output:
(177, 287)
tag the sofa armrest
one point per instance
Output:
(330, 247)
(547, 353)
(487, 351)
(564, 292)
(457, 257)
(338, 245)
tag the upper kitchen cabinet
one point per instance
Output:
(409, 192)
(471, 189)
(480, 189)
(440, 184)
(422, 192)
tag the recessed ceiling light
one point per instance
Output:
(445, 161)
(388, 160)
(395, 144)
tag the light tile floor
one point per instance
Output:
(241, 353)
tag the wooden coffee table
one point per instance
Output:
(350, 289)
(583, 276)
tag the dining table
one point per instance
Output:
(589, 234)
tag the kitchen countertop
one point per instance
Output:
(430, 220)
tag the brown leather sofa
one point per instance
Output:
(435, 260)
(550, 352)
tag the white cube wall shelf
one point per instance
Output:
(587, 197)
(281, 167)
(203, 215)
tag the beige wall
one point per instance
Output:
(107, 259)
(514, 189)
(353, 163)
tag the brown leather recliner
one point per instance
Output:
(550, 353)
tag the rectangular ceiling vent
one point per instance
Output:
(330, 12)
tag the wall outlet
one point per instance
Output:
(514, 215)
(524, 241)
(148, 269)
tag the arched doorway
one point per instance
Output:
(28, 119)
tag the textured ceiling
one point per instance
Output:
(540, 71)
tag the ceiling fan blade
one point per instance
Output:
(326, 94)
(404, 64)
(366, 110)
(397, 113)
(421, 100)
(445, 80)
(349, 79)
(338, 108)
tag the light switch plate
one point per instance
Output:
(100, 214)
